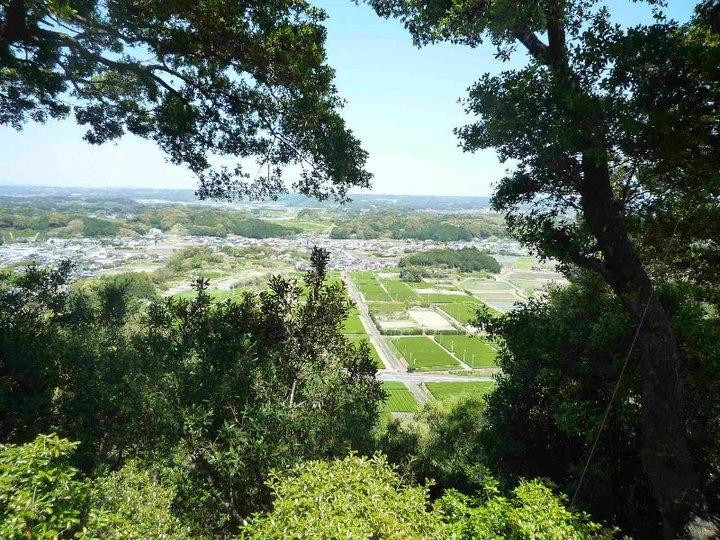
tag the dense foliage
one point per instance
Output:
(365, 498)
(465, 260)
(43, 496)
(252, 83)
(443, 443)
(351, 498)
(218, 392)
(418, 226)
(560, 363)
(612, 136)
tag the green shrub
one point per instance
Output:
(531, 512)
(131, 504)
(41, 494)
(354, 497)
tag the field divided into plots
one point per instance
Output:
(399, 399)
(400, 291)
(472, 350)
(423, 354)
(353, 324)
(449, 390)
(369, 287)
(463, 313)
(447, 298)
(357, 339)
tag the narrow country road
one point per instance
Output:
(386, 355)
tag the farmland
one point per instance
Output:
(448, 390)
(353, 324)
(356, 339)
(423, 354)
(399, 291)
(471, 350)
(463, 313)
(400, 399)
(370, 287)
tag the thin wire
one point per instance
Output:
(622, 372)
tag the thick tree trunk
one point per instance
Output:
(666, 458)
(13, 26)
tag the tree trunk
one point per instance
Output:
(665, 456)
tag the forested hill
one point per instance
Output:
(420, 226)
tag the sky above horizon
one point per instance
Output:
(402, 103)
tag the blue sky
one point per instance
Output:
(402, 103)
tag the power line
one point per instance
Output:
(622, 371)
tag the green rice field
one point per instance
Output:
(353, 324)
(422, 353)
(356, 339)
(463, 313)
(439, 298)
(448, 390)
(399, 291)
(400, 399)
(386, 308)
(217, 295)
(370, 287)
(470, 349)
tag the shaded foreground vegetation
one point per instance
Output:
(186, 415)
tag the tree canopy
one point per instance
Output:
(612, 134)
(214, 92)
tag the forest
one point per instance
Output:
(465, 260)
(58, 218)
(419, 226)
(128, 415)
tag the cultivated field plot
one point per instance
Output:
(389, 309)
(400, 291)
(400, 399)
(472, 350)
(356, 339)
(395, 324)
(486, 285)
(429, 319)
(446, 297)
(448, 390)
(370, 287)
(498, 298)
(423, 354)
(353, 324)
(463, 313)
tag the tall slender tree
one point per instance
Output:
(613, 137)
(216, 84)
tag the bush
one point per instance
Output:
(412, 274)
(531, 512)
(350, 498)
(131, 504)
(41, 494)
(441, 442)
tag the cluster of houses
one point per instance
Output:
(94, 255)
